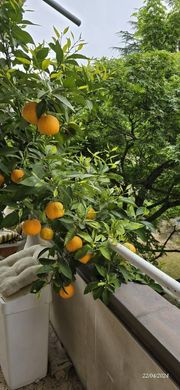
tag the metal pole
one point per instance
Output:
(63, 11)
(159, 276)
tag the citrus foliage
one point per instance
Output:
(45, 178)
(135, 112)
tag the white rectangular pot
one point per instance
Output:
(24, 322)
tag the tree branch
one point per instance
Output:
(148, 183)
(128, 146)
(133, 126)
(167, 250)
(157, 172)
(157, 203)
(166, 206)
(165, 243)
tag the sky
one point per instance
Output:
(101, 20)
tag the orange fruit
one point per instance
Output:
(2, 179)
(91, 214)
(68, 293)
(54, 210)
(31, 227)
(130, 246)
(29, 112)
(17, 175)
(74, 244)
(85, 259)
(48, 125)
(47, 233)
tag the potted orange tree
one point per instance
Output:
(76, 202)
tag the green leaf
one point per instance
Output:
(22, 36)
(81, 210)
(115, 176)
(58, 50)
(127, 200)
(38, 170)
(4, 169)
(24, 60)
(37, 286)
(86, 237)
(133, 226)
(29, 181)
(41, 108)
(124, 273)
(93, 224)
(10, 220)
(101, 270)
(106, 296)
(89, 105)
(56, 286)
(65, 30)
(42, 53)
(46, 260)
(106, 251)
(45, 269)
(65, 270)
(56, 32)
(119, 214)
(156, 287)
(70, 234)
(90, 287)
(64, 101)
(45, 63)
(28, 22)
(97, 293)
(78, 56)
(114, 281)
(149, 225)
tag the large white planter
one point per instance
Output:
(24, 322)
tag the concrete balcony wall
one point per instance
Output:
(104, 352)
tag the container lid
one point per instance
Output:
(24, 300)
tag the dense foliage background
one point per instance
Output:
(118, 149)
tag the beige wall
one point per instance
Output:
(105, 354)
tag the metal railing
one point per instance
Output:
(63, 11)
(169, 284)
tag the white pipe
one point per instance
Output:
(159, 276)
(63, 11)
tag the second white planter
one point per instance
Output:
(24, 324)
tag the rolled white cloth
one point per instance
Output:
(20, 269)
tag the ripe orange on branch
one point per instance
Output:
(48, 125)
(17, 175)
(68, 293)
(130, 246)
(74, 244)
(29, 113)
(31, 227)
(85, 259)
(91, 213)
(47, 233)
(54, 210)
(2, 179)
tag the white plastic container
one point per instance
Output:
(24, 323)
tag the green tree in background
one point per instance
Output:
(136, 107)
(135, 110)
(156, 27)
